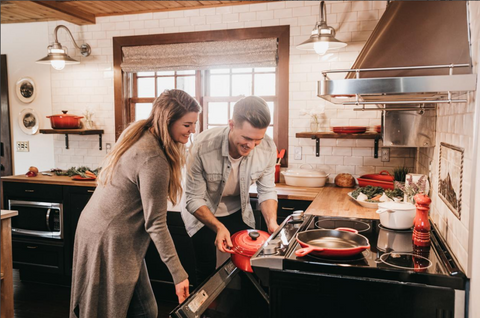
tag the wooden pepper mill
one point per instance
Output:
(421, 227)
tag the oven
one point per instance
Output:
(393, 278)
(40, 219)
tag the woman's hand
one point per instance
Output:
(182, 291)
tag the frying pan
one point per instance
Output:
(341, 242)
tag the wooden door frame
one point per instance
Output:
(282, 33)
(6, 160)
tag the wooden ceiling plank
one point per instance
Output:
(65, 9)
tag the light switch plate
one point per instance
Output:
(297, 153)
(23, 146)
(385, 154)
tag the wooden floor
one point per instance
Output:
(51, 301)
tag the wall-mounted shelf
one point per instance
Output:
(319, 135)
(67, 132)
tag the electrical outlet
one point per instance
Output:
(385, 154)
(298, 153)
(108, 147)
(23, 146)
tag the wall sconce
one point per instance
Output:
(323, 36)
(58, 54)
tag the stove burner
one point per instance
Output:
(337, 260)
(332, 224)
(394, 230)
(406, 261)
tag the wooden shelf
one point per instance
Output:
(317, 136)
(67, 132)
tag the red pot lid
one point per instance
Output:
(65, 115)
(247, 242)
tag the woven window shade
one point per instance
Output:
(200, 55)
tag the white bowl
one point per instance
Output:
(310, 178)
(396, 215)
(365, 204)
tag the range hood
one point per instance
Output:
(419, 53)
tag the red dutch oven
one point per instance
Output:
(245, 244)
(65, 121)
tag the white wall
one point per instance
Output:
(24, 44)
(474, 237)
(91, 83)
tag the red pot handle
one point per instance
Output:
(346, 229)
(307, 250)
(386, 172)
(230, 251)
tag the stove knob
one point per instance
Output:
(269, 250)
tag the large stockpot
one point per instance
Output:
(396, 215)
(245, 244)
(65, 121)
(342, 242)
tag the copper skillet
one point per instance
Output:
(341, 242)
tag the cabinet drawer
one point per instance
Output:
(286, 207)
(31, 255)
(26, 191)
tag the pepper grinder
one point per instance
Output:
(421, 227)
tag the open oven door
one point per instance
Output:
(229, 292)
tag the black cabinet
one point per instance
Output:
(76, 198)
(162, 281)
(38, 255)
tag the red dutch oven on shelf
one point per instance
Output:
(65, 121)
(245, 244)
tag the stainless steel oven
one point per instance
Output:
(41, 219)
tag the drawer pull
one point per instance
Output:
(29, 190)
(285, 208)
(32, 247)
(90, 191)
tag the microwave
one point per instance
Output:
(41, 219)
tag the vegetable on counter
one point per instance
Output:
(32, 172)
(374, 194)
(84, 172)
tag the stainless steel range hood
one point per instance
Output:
(419, 53)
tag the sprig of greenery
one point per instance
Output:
(73, 171)
(400, 173)
(369, 191)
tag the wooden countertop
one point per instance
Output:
(58, 180)
(8, 214)
(328, 201)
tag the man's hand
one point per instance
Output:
(272, 227)
(181, 289)
(223, 241)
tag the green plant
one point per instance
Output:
(400, 173)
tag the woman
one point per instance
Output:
(128, 209)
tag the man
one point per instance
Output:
(222, 165)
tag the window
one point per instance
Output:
(148, 85)
(217, 90)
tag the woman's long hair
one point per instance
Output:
(169, 107)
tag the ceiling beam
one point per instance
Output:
(67, 13)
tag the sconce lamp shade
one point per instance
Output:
(322, 38)
(58, 55)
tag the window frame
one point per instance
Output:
(282, 33)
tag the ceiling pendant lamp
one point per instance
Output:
(58, 54)
(323, 36)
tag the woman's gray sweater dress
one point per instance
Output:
(115, 229)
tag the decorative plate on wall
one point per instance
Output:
(26, 89)
(29, 121)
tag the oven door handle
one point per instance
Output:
(47, 219)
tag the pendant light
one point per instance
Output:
(58, 54)
(323, 36)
